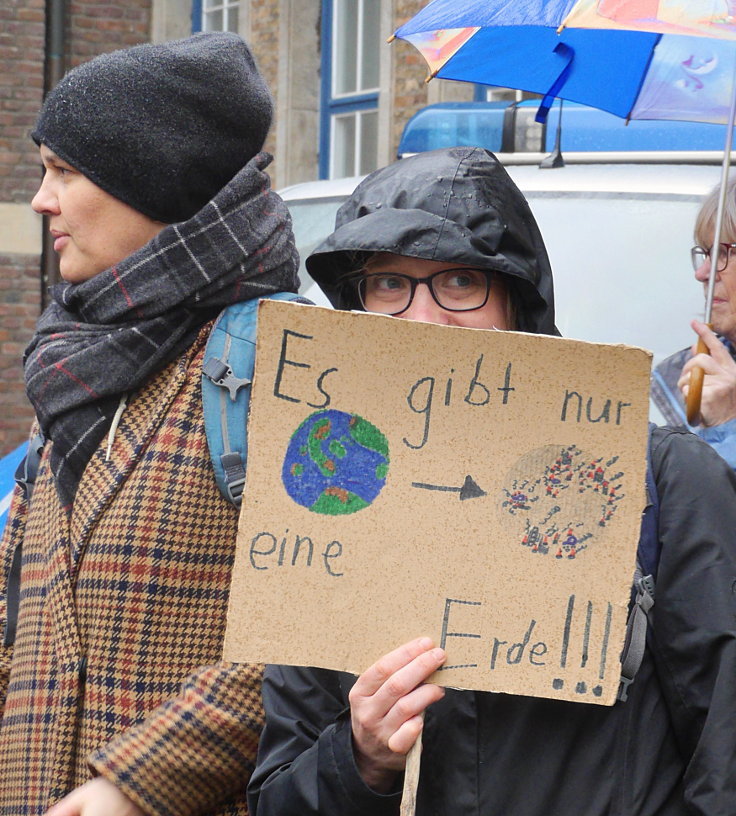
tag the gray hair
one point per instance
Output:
(705, 221)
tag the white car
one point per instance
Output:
(618, 235)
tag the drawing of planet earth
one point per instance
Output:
(336, 463)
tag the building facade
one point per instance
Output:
(342, 93)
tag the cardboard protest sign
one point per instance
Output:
(483, 488)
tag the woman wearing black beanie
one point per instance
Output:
(161, 214)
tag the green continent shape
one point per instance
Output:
(335, 506)
(367, 435)
(315, 450)
(382, 470)
(337, 449)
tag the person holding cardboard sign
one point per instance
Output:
(447, 237)
(671, 378)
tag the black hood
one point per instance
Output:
(456, 205)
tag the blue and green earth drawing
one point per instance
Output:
(336, 463)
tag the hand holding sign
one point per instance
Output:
(386, 707)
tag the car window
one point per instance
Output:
(622, 267)
(312, 221)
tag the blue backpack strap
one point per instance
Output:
(647, 561)
(227, 372)
(25, 478)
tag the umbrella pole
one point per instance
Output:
(721, 205)
(695, 386)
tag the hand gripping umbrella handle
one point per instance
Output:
(695, 390)
(695, 387)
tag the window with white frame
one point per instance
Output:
(350, 56)
(495, 93)
(219, 15)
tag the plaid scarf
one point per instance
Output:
(105, 337)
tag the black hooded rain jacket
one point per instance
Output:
(670, 749)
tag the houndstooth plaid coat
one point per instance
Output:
(120, 607)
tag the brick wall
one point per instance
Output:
(18, 313)
(264, 42)
(91, 28)
(21, 91)
(410, 70)
(95, 26)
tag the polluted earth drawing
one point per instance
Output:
(336, 463)
(561, 499)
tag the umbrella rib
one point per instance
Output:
(643, 78)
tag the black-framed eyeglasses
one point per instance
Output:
(457, 289)
(699, 256)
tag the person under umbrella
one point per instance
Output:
(671, 378)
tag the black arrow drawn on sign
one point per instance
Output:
(469, 490)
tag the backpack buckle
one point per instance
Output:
(623, 688)
(222, 375)
(232, 464)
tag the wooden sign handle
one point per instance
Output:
(695, 387)
(411, 779)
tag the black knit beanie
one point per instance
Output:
(161, 127)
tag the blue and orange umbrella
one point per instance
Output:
(617, 55)
(638, 59)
